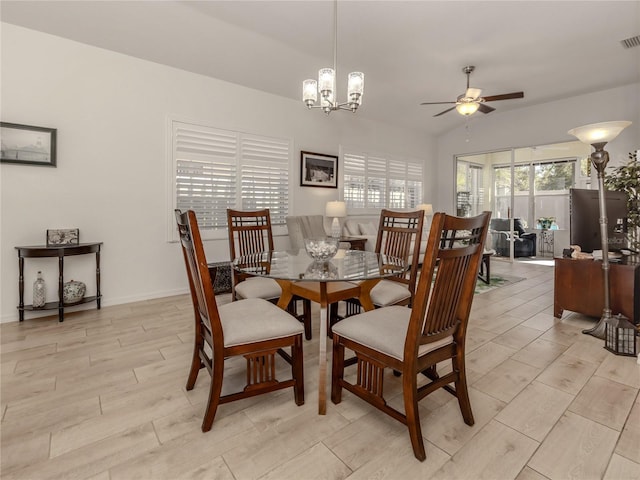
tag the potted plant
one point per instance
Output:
(545, 222)
(626, 178)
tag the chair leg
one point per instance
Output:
(214, 394)
(297, 370)
(333, 318)
(410, 394)
(462, 393)
(337, 371)
(306, 318)
(196, 363)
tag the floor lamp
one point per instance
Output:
(598, 135)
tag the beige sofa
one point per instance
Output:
(366, 226)
(361, 226)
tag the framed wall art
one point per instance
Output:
(318, 170)
(63, 236)
(27, 145)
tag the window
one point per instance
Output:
(213, 169)
(381, 181)
(539, 188)
(554, 176)
(470, 189)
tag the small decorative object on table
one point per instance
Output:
(73, 292)
(63, 236)
(39, 292)
(321, 249)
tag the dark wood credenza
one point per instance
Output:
(579, 287)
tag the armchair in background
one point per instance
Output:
(524, 243)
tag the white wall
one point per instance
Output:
(110, 111)
(540, 125)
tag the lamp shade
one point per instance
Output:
(427, 207)
(336, 209)
(310, 91)
(467, 108)
(599, 132)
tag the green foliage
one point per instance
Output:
(626, 178)
(554, 176)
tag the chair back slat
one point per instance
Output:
(447, 282)
(200, 282)
(249, 232)
(397, 233)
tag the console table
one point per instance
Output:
(357, 243)
(579, 287)
(60, 251)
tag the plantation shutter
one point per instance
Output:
(381, 181)
(264, 182)
(414, 184)
(376, 182)
(397, 183)
(354, 183)
(205, 172)
(219, 169)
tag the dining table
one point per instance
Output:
(349, 274)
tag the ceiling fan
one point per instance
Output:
(471, 101)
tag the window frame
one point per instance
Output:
(279, 229)
(382, 167)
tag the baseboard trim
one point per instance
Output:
(106, 302)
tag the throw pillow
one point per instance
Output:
(368, 229)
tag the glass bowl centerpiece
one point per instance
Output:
(321, 249)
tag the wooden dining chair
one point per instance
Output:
(413, 340)
(250, 233)
(253, 328)
(399, 235)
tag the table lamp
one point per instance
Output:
(598, 135)
(428, 213)
(427, 207)
(337, 210)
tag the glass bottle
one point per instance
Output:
(39, 292)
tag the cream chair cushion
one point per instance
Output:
(388, 292)
(383, 330)
(258, 287)
(255, 320)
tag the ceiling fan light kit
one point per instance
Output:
(467, 107)
(471, 101)
(326, 83)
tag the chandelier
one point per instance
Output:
(326, 83)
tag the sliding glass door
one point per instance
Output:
(521, 187)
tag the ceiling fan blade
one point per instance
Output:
(473, 93)
(485, 108)
(435, 103)
(504, 96)
(447, 110)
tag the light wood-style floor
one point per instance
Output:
(101, 396)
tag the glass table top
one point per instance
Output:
(347, 265)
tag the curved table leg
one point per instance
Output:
(286, 296)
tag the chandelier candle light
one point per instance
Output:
(598, 135)
(326, 83)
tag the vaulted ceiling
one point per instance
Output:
(410, 51)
